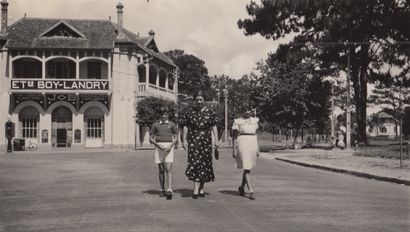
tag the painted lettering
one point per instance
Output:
(74, 85)
(40, 84)
(81, 85)
(89, 85)
(104, 84)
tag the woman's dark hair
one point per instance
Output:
(197, 94)
(163, 110)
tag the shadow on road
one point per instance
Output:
(184, 192)
(230, 192)
(152, 192)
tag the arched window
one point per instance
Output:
(29, 118)
(94, 122)
(171, 81)
(162, 78)
(27, 68)
(60, 69)
(142, 76)
(153, 72)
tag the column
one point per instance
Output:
(77, 66)
(78, 123)
(146, 77)
(43, 66)
(45, 124)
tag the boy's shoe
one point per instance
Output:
(162, 193)
(169, 195)
(252, 196)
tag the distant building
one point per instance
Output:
(74, 83)
(385, 128)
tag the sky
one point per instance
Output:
(204, 28)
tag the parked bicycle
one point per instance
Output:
(31, 146)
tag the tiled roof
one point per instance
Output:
(142, 42)
(384, 115)
(98, 34)
(25, 33)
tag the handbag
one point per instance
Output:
(216, 154)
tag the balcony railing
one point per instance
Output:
(144, 90)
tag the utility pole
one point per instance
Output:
(332, 125)
(348, 120)
(226, 115)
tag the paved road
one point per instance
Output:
(119, 192)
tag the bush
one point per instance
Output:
(148, 110)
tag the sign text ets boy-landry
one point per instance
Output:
(59, 85)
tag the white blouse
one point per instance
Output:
(246, 126)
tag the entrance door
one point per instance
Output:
(94, 127)
(62, 127)
(61, 137)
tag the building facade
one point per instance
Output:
(386, 127)
(71, 83)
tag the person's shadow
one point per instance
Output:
(151, 192)
(230, 192)
(182, 192)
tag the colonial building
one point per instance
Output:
(74, 83)
(385, 127)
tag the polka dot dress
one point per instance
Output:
(200, 123)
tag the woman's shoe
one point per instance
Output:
(194, 196)
(162, 193)
(251, 196)
(169, 195)
(201, 194)
(241, 191)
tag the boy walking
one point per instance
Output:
(163, 135)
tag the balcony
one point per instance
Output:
(60, 74)
(150, 90)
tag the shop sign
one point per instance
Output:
(59, 85)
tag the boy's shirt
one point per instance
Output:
(164, 131)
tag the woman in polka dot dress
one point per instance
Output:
(199, 125)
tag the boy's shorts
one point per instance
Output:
(163, 156)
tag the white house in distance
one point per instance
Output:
(74, 83)
(386, 127)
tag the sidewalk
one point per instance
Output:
(344, 161)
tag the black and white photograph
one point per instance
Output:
(204, 115)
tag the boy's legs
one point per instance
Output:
(168, 169)
(161, 173)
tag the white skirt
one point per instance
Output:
(247, 147)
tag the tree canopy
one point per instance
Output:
(148, 110)
(355, 30)
(193, 74)
(291, 92)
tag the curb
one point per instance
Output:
(354, 173)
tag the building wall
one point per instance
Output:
(124, 76)
(389, 133)
(4, 97)
(120, 128)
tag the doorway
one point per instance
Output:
(62, 127)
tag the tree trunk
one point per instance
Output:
(359, 78)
